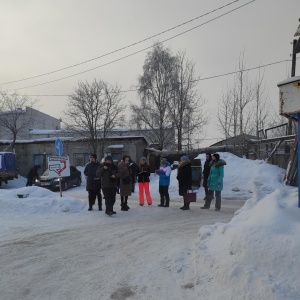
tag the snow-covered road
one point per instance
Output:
(146, 253)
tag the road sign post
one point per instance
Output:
(59, 166)
(59, 147)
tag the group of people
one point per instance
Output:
(111, 178)
(122, 177)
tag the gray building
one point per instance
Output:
(27, 119)
(32, 152)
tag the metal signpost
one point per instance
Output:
(59, 165)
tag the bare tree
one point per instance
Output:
(261, 103)
(186, 105)
(94, 109)
(155, 87)
(13, 117)
(235, 112)
(244, 95)
(227, 114)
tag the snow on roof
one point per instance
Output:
(116, 147)
(289, 80)
(44, 131)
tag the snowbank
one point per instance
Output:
(255, 256)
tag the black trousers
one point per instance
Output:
(205, 186)
(29, 181)
(93, 194)
(218, 199)
(164, 194)
(110, 198)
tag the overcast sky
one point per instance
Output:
(41, 36)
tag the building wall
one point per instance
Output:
(31, 118)
(36, 152)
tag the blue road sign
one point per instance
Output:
(59, 147)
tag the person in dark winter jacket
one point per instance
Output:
(108, 172)
(93, 183)
(143, 175)
(164, 173)
(133, 167)
(215, 181)
(124, 173)
(205, 174)
(184, 177)
(33, 174)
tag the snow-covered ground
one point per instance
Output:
(51, 247)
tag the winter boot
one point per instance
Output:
(161, 201)
(123, 207)
(126, 198)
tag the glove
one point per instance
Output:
(105, 167)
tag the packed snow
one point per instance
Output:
(53, 248)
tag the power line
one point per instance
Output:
(125, 47)
(200, 79)
(134, 53)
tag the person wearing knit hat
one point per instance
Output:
(184, 177)
(144, 159)
(164, 173)
(143, 174)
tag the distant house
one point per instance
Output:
(238, 140)
(28, 119)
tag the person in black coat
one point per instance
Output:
(184, 177)
(93, 183)
(33, 174)
(205, 174)
(133, 167)
(108, 173)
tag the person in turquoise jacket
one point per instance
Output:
(164, 173)
(215, 181)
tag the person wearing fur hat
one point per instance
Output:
(164, 173)
(143, 175)
(93, 183)
(215, 181)
(124, 173)
(108, 174)
(184, 177)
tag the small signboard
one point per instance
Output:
(58, 166)
(59, 147)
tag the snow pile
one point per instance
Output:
(37, 200)
(241, 176)
(255, 256)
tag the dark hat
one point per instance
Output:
(183, 158)
(109, 157)
(93, 155)
(216, 155)
(144, 159)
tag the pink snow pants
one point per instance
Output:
(144, 189)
